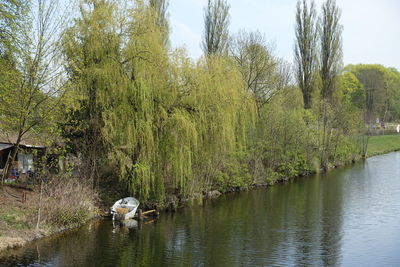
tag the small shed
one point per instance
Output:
(27, 159)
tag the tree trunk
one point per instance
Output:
(40, 206)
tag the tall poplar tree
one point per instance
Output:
(331, 48)
(330, 67)
(216, 27)
(306, 49)
(160, 7)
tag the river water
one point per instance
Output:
(347, 217)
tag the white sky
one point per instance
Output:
(371, 27)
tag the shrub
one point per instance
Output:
(66, 202)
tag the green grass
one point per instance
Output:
(14, 219)
(383, 144)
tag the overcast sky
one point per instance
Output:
(371, 27)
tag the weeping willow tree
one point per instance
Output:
(91, 48)
(117, 66)
(164, 124)
(171, 123)
(223, 112)
(136, 109)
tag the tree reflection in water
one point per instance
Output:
(312, 221)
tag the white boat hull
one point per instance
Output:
(129, 203)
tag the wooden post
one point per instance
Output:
(23, 197)
(140, 214)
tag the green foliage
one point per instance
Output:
(30, 88)
(234, 173)
(382, 90)
(168, 124)
(353, 92)
(164, 124)
(286, 139)
(91, 51)
(13, 14)
(335, 125)
(262, 73)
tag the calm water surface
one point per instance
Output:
(348, 217)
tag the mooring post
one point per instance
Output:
(140, 214)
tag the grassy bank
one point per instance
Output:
(382, 144)
(31, 212)
(16, 217)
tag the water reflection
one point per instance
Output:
(347, 217)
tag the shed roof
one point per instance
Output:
(4, 146)
(29, 140)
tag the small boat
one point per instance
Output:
(125, 208)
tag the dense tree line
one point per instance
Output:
(378, 91)
(129, 106)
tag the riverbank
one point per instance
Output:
(333, 219)
(29, 213)
(382, 144)
(18, 217)
(377, 145)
